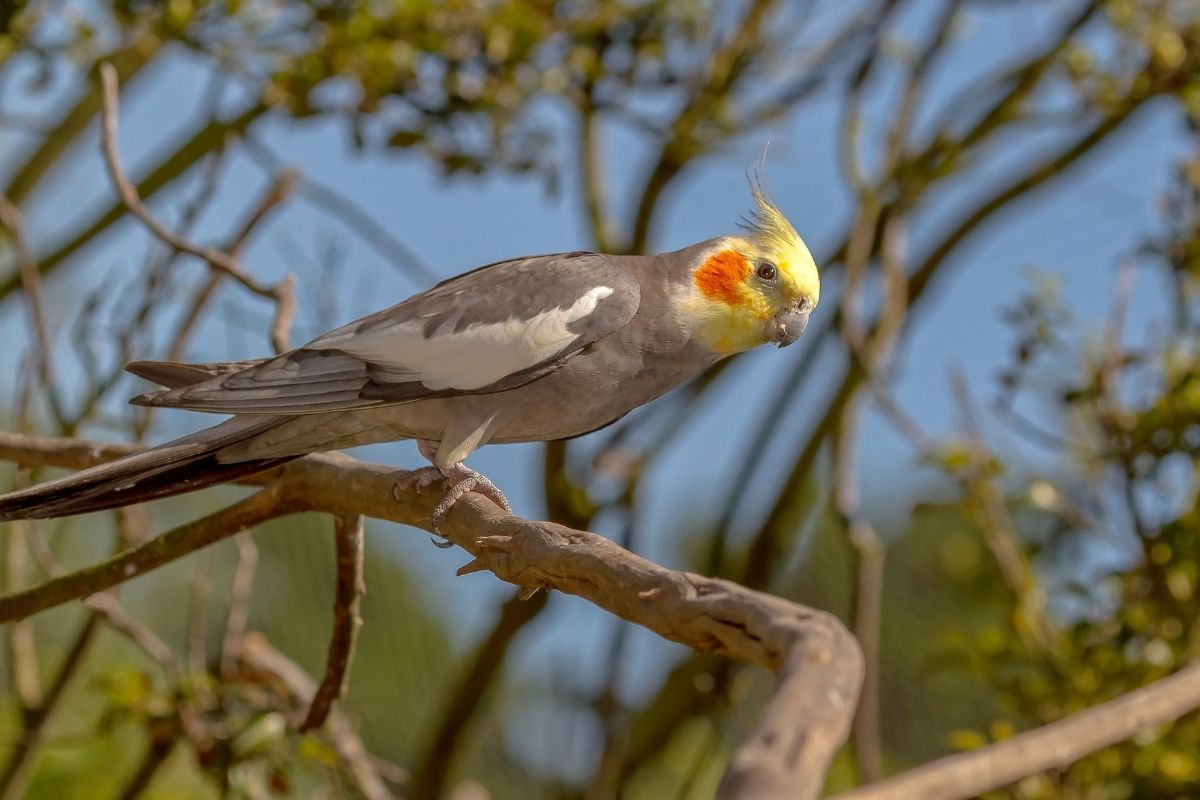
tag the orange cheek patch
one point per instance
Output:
(721, 276)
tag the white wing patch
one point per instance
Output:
(476, 356)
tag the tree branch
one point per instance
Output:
(1052, 746)
(282, 293)
(201, 143)
(239, 602)
(819, 664)
(348, 539)
(27, 268)
(124, 566)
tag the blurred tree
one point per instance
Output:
(1113, 537)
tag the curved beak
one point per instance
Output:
(788, 324)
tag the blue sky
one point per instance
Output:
(1077, 230)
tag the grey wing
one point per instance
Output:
(485, 331)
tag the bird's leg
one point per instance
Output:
(462, 479)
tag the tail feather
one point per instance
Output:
(174, 375)
(183, 465)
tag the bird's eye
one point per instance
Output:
(767, 272)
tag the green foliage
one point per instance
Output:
(458, 80)
(1120, 557)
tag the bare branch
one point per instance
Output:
(871, 350)
(819, 664)
(202, 142)
(352, 215)
(156, 755)
(48, 451)
(1052, 746)
(282, 293)
(239, 601)
(868, 601)
(348, 534)
(22, 652)
(277, 193)
(109, 607)
(196, 640)
(168, 547)
(31, 283)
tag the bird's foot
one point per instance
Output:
(464, 479)
(420, 479)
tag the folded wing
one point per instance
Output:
(489, 330)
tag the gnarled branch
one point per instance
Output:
(819, 664)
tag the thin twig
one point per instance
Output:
(277, 193)
(239, 602)
(22, 648)
(156, 755)
(282, 293)
(109, 607)
(31, 283)
(868, 601)
(348, 535)
(196, 643)
(871, 350)
(1052, 746)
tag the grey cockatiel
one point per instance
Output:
(532, 349)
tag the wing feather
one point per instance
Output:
(487, 330)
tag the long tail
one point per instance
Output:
(183, 465)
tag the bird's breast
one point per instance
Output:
(592, 390)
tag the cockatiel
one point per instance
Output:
(527, 350)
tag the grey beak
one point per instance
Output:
(788, 324)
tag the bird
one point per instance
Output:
(529, 349)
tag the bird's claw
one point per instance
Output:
(484, 486)
(464, 480)
(419, 479)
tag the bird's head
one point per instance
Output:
(752, 289)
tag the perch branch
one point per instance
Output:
(819, 664)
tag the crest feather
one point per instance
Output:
(767, 226)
